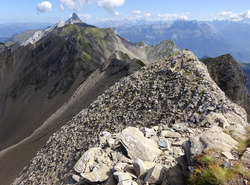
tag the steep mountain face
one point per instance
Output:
(246, 68)
(226, 72)
(175, 93)
(203, 38)
(39, 82)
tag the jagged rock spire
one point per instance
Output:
(74, 19)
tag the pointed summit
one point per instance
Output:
(74, 19)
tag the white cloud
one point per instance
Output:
(136, 12)
(147, 14)
(77, 5)
(44, 6)
(233, 16)
(172, 16)
(109, 5)
(85, 16)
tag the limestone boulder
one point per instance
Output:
(137, 146)
(86, 159)
(246, 156)
(155, 175)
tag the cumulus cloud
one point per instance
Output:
(110, 5)
(172, 16)
(77, 5)
(136, 12)
(233, 16)
(147, 14)
(85, 16)
(44, 6)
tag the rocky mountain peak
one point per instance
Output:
(74, 19)
(227, 74)
(178, 112)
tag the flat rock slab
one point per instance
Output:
(100, 175)
(138, 146)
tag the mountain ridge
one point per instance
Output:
(149, 97)
(41, 78)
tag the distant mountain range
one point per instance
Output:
(203, 38)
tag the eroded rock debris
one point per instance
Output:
(145, 129)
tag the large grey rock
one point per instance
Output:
(215, 138)
(82, 164)
(139, 167)
(155, 175)
(138, 146)
(215, 119)
(246, 156)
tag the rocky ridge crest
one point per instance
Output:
(175, 94)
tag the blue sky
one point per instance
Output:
(92, 11)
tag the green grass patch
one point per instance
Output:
(209, 170)
(140, 63)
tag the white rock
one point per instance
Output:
(138, 146)
(228, 155)
(163, 143)
(122, 176)
(76, 177)
(83, 163)
(139, 167)
(155, 175)
(127, 182)
(246, 156)
(171, 134)
(100, 175)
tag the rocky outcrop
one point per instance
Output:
(168, 101)
(227, 74)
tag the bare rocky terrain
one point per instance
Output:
(172, 106)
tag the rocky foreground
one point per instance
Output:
(147, 128)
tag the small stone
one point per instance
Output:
(76, 177)
(99, 175)
(191, 169)
(228, 164)
(228, 155)
(139, 167)
(148, 132)
(111, 142)
(120, 166)
(155, 175)
(127, 182)
(170, 134)
(122, 176)
(163, 143)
